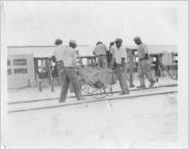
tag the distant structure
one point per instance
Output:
(26, 65)
(20, 70)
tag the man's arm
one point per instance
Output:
(74, 57)
(105, 48)
(54, 54)
(146, 56)
(112, 62)
(53, 58)
(94, 51)
(124, 58)
(146, 51)
(124, 55)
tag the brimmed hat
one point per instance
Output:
(137, 38)
(118, 40)
(73, 42)
(58, 41)
(99, 42)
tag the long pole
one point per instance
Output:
(50, 74)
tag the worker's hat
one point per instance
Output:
(58, 41)
(73, 42)
(137, 38)
(118, 40)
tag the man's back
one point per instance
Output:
(58, 52)
(69, 56)
(100, 49)
(142, 50)
(119, 53)
(66, 54)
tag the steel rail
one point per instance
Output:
(50, 99)
(91, 101)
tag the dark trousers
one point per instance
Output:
(102, 61)
(130, 71)
(122, 77)
(144, 70)
(69, 75)
(59, 69)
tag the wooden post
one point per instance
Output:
(50, 75)
(48, 70)
(52, 85)
(40, 85)
(29, 83)
(58, 80)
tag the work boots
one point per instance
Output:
(151, 84)
(141, 86)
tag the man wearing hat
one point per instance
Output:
(100, 53)
(130, 66)
(58, 57)
(120, 59)
(143, 64)
(69, 72)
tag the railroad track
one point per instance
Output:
(52, 99)
(168, 89)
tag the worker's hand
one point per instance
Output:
(61, 70)
(123, 60)
(76, 70)
(124, 66)
(112, 64)
(146, 56)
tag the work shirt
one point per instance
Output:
(167, 59)
(100, 50)
(68, 55)
(118, 54)
(142, 50)
(111, 49)
(58, 52)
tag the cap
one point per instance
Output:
(73, 42)
(99, 42)
(137, 38)
(118, 40)
(58, 41)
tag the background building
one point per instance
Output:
(26, 64)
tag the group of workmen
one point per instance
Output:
(115, 57)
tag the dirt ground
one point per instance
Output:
(146, 122)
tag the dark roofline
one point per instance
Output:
(82, 45)
(31, 46)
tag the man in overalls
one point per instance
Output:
(58, 58)
(143, 64)
(120, 60)
(100, 53)
(130, 66)
(70, 76)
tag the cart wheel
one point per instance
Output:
(86, 89)
(100, 93)
(173, 72)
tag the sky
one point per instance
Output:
(41, 22)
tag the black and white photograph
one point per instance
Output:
(94, 74)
